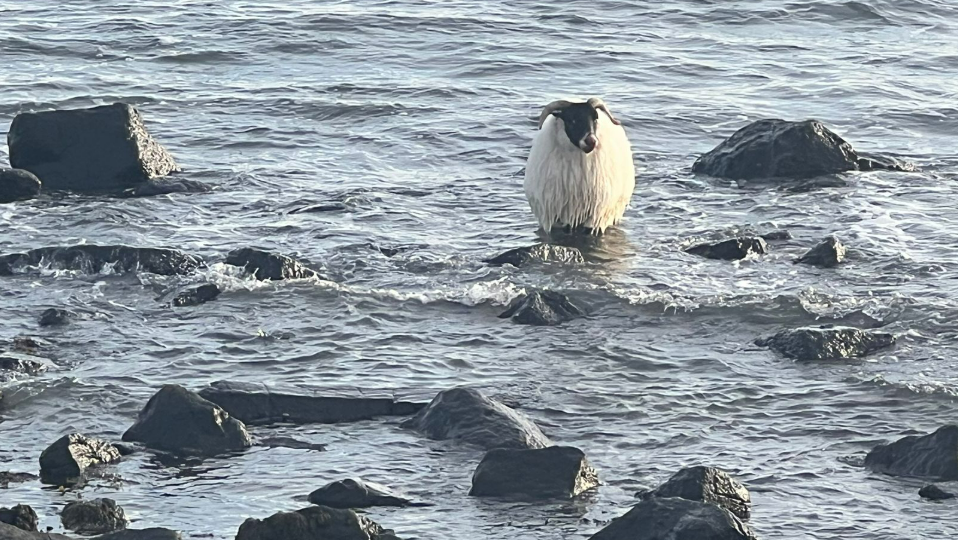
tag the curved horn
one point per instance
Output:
(551, 108)
(599, 105)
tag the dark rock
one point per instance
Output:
(20, 516)
(828, 253)
(735, 249)
(18, 185)
(931, 492)
(773, 236)
(826, 342)
(538, 253)
(9, 532)
(313, 523)
(100, 149)
(256, 404)
(7, 478)
(542, 308)
(125, 449)
(56, 317)
(708, 485)
(97, 516)
(675, 519)
(196, 295)
(265, 265)
(65, 461)
(929, 456)
(553, 472)
(165, 186)
(89, 258)
(356, 493)
(21, 363)
(467, 415)
(289, 442)
(874, 162)
(181, 422)
(142, 534)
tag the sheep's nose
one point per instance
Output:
(588, 143)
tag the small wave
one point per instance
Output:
(204, 57)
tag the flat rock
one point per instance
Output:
(465, 414)
(9, 532)
(7, 478)
(269, 266)
(95, 516)
(181, 422)
(735, 249)
(257, 404)
(20, 516)
(676, 519)
(826, 342)
(708, 485)
(313, 523)
(165, 186)
(196, 295)
(154, 533)
(289, 442)
(56, 317)
(100, 149)
(935, 493)
(542, 308)
(539, 253)
(929, 456)
(554, 472)
(18, 185)
(65, 461)
(90, 259)
(829, 253)
(356, 493)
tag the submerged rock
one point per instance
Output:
(356, 493)
(155, 533)
(181, 422)
(196, 295)
(65, 461)
(930, 492)
(542, 308)
(97, 516)
(90, 259)
(929, 456)
(165, 186)
(99, 149)
(56, 317)
(708, 485)
(21, 363)
(553, 472)
(7, 478)
(269, 266)
(18, 185)
(735, 249)
(289, 442)
(257, 404)
(313, 523)
(538, 253)
(826, 342)
(20, 516)
(829, 253)
(776, 235)
(467, 415)
(676, 519)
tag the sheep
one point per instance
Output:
(580, 174)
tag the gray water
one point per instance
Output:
(418, 115)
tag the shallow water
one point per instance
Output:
(418, 116)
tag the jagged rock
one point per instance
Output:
(708, 485)
(542, 308)
(313, 523)
(289, 442)
(181, 422)
(826, 342)
(929, 456)
(934, 493)
(538, 253)
(467, 415)
(676, 519)
(100, 149)
(18, 185)
(20, 516)
(196, 295)
(96, 516)
(828, 253)
(7, 478)
(55, 317)
(356, 493)
(735, 249)
(65, 461)
(874, 162)
(90, 259)
(165, 186)
(269, 266)
(256, 404)
(552, 472)
(21, 363)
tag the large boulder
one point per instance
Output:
(20, 516)
(101, 149)
(929, 456)
(96, 516)
(781, 149)
(196, 295)
(257, 404)
(356, 493)
(708, 485)
(542, 308)
(826, 342)
(269, 266)
(554, 472)
(65, 461)
(181, 422)
(467, 415)
(676, 519)
(829, 253)
(90, 259)
(313, 523)
(18, 185)
(539, 253)
(735, 249)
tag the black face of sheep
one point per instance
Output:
(580, 121)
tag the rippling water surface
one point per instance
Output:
(418, 115)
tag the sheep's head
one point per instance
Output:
(579, 120)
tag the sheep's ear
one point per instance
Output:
(554, 108)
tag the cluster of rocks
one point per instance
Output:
(102, 517)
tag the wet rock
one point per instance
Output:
(7, 478)
(553, 472)
(676, 519)
(56, 317)
(708, 485)
(181, 422)
(777, 235)
(735, 249)
(356, 493)
(18, 185)
(829, 253)
(256, 404)
(781, 149)
(65, 461)
(542, 308)
(125, 449)
(931, 492)
(100, 149)
(20, 516)
(467, 415)
(929, 456)
(289, 442)
(155, 533)
(826, 342)
(90, 259)
(96, 516)
(269, 266)
(9, 532)
(539, 253)
(165, 186)
(874, 162)
(21, 363)
(196, 295)
(313, 523)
